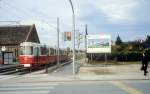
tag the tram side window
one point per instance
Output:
(51, 51)
(47, 51)
(21, 50)
(63, 52)
(44, 51)
(36, 51)
(55, 52)
(60, 52)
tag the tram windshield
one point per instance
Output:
(26, 50)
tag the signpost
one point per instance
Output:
(3, 48)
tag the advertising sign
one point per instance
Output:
(98, 44)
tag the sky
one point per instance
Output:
(127, 18)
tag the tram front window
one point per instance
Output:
(26, 50)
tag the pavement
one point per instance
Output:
(113, 72)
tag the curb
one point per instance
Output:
(77, 80)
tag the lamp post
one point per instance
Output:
(73, 36)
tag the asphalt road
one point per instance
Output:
(92, 87)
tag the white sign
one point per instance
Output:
(3, 48)
(98, 44)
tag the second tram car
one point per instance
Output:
(34, 54)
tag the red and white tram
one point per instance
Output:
(34, 54)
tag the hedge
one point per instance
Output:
(118, 56)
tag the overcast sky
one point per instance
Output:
(128, 18)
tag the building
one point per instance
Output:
(11, 37)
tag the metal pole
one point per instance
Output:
(73, 36)
(85, 42)
(58, 41)
(105, 58)
(78, 40)
(91, 57)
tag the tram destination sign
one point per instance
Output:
(98, 44)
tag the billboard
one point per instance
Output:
(98, 44)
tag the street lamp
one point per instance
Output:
(73, 36)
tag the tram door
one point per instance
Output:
(8, 58)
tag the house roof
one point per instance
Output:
(16, 34)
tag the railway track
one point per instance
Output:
(13, 70)
(20, 70)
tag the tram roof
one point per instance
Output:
(30, 44)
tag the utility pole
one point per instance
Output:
(58, 41)
(105, 58)
(73, 37)
(86, 33)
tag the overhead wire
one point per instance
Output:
(21, 10)
(8, 11)
(41, 16)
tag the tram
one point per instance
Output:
(35, 54)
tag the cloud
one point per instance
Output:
(124, 17)
(115, 10)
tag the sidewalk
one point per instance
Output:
(88, 73)
(113, 72)
(101, 73)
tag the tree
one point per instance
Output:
(118, 40)
(147, 39)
